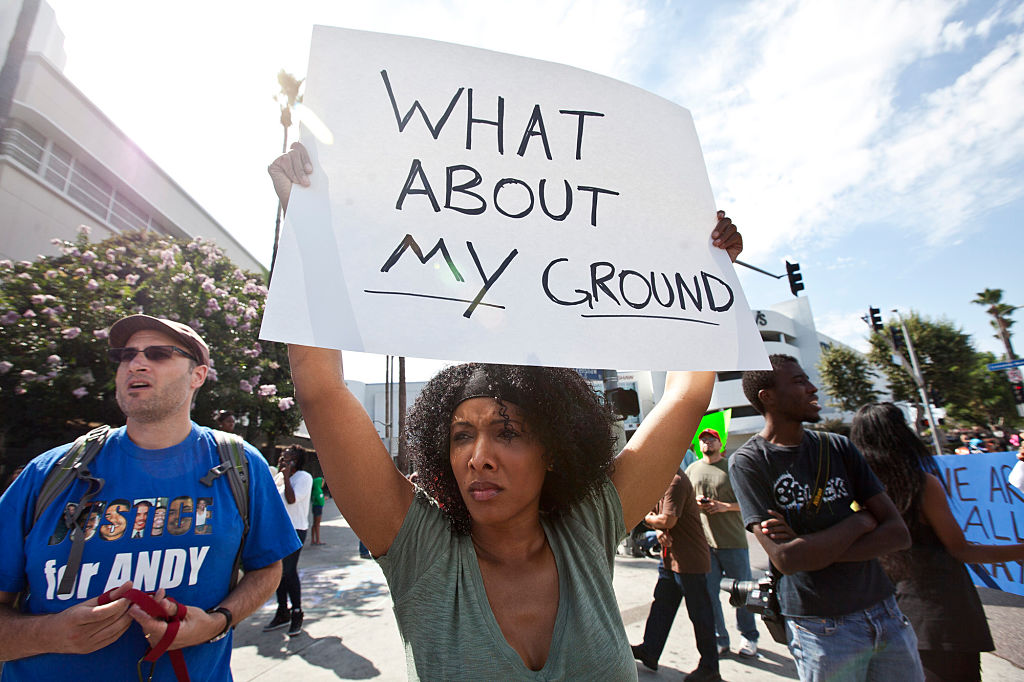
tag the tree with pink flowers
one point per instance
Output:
(55, 379)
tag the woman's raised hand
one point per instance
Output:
(726, 236)
(288, 169)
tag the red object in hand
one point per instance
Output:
(146, 602)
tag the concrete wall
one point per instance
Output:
(32, 213)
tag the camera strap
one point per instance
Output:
(819, 485)
(820, 482)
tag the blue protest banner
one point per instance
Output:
(990, 511)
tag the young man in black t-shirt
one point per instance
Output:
(796, 490)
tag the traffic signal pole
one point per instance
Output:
(874, 320)
(922, 387)
(796, 280)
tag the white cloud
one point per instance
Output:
(955, 34)
(795, 103)
(846, 326)
(841, 263)
(955, 153)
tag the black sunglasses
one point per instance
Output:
(154, 353)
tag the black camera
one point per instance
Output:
(760, 597)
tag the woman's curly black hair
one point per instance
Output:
(570, 420)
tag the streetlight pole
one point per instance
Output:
(918, 377)
(388, 369)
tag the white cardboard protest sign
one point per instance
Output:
(479, 206)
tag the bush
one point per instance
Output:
(55, 379)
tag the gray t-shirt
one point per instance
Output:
(723, 530)
(446, 622)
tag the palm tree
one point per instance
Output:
(288, 97)
(1000, 312)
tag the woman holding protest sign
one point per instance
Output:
(933, 588)
(500, 560)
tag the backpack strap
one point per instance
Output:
(73, 465)
(70, 467)
(234, 463)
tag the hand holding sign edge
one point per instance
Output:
(291, 167)
(726, 236)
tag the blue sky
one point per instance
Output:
(879, 144)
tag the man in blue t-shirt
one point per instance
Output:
(153, 526)
(796, 491)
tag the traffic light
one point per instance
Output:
(898, 343)
(875, 317)
(1018, 392)
(624, 401)
(796, 280)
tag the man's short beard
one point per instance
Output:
(146, 415)
(153, 412)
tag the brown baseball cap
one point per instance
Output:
(123, 329)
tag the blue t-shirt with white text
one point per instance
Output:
(153, 523)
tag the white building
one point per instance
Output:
(788, 328)
(63, 163)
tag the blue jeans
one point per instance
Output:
(875, 644)
(730, 563)
(648, 541)
(668, 593)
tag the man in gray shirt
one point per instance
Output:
(723, 528)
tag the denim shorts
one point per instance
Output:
(876, 644)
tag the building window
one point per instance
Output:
(125, 215)
(74, 178)
(58, 167)
(90, 190)
(24, 144)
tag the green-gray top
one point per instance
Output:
(446, 622)
(723, 530)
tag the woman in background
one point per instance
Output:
(295, 485)
(933, 588)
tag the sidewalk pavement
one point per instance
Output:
(350, 630)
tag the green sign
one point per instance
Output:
(719, 421)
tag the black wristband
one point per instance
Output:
(227, 626)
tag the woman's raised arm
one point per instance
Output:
(369, 491)
(644, 468)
